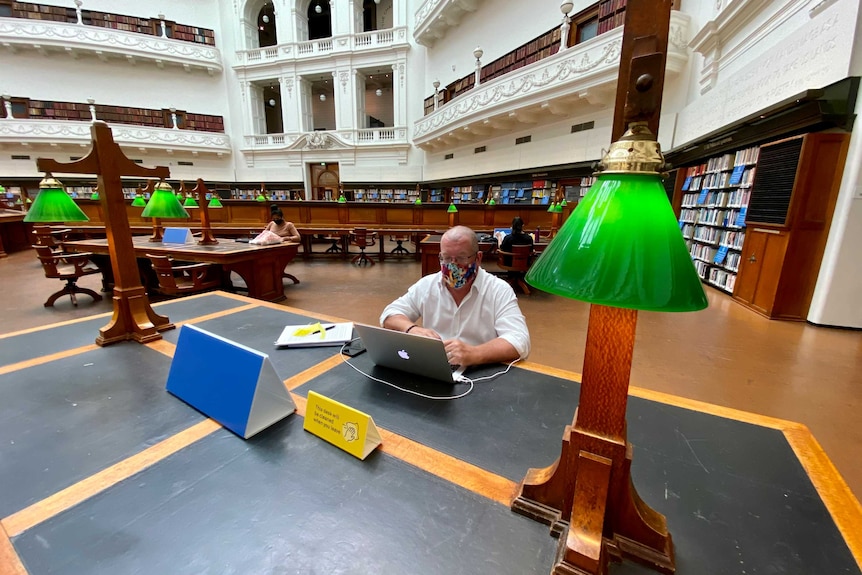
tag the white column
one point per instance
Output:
(291, 110)
(92, 104)
(7, 103)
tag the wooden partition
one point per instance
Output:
(250, 214)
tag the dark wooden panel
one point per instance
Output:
(773, 182)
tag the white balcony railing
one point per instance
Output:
(328, 140)
(580, 76)
(25, 132)
(104, 43)
(309, 49)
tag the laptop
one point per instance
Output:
(417, 354)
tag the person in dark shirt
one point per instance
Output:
(516, 238)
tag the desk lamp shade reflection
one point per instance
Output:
(53, 204)
(164, 204)
(622, 246)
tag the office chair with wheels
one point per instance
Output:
(362, 238)
(67, 267)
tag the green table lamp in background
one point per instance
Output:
(53, 204)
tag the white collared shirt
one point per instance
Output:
(488, 311)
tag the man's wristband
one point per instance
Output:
(409, 328)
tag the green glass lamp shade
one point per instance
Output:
(139, 202)
(260, 198)
(452, 209)
(53, 204)
(622, 247)
(418, 202)
(94, 196)
(164, 204)
(215, 203)
(558, 209)
(564, 203)
(492, 202)
(342, 200)
(552, 208)
(2, 189)
(190, 202)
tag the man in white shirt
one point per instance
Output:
(475, 313)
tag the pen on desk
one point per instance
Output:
(324, 329)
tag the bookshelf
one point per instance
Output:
(150, 26)
(793, 196)
(79, 111)
(612, 13)
(714, 204)
(468, 194)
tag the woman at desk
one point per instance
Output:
(280, 227)
(516, 238)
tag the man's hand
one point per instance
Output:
(419, 330)
(459, 353)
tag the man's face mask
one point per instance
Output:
(456, 275)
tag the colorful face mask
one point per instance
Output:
(456, 276)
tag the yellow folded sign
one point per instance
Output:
(342, 426)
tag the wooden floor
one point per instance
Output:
(724, 355)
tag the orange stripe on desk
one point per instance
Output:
(46, 358)
(31, 516)
(451, 469)
(10, 563)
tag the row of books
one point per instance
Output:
(608, 7)
(151, 26)
(708, 198)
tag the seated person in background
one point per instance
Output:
(516, 238)
(475, 313)
(286, 230)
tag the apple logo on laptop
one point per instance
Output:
(403, 354)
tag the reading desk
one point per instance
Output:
(105, 472)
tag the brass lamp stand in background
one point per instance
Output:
(620, 250)
(133, 317)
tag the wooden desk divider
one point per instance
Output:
(227, 381)
(133, 317)
(201, 190)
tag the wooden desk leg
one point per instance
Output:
(133, 319)
(590, 484)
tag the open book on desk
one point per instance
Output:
(315, 335)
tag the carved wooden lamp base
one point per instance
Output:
(607, 519)
(133, 319)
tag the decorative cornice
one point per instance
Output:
(71, 132)
(436, 17)
(103, 42)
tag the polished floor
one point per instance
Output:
(725, 355)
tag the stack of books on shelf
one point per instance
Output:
(712, 216)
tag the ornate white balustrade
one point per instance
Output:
(331, 139)
(36, 133)
(323, 47)
(104, 43)
(565, 84)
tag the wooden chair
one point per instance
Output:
(67, 267)
(516, 263)
(45, 236)
(187, 279)
(362, 238)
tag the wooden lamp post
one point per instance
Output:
(201, 190)
(133, 317)
(599, 256)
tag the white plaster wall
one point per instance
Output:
(812, 55)
(839, 285)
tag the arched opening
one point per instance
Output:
(272, 109)
(266, 31)
(319, 20)
(369, 15)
